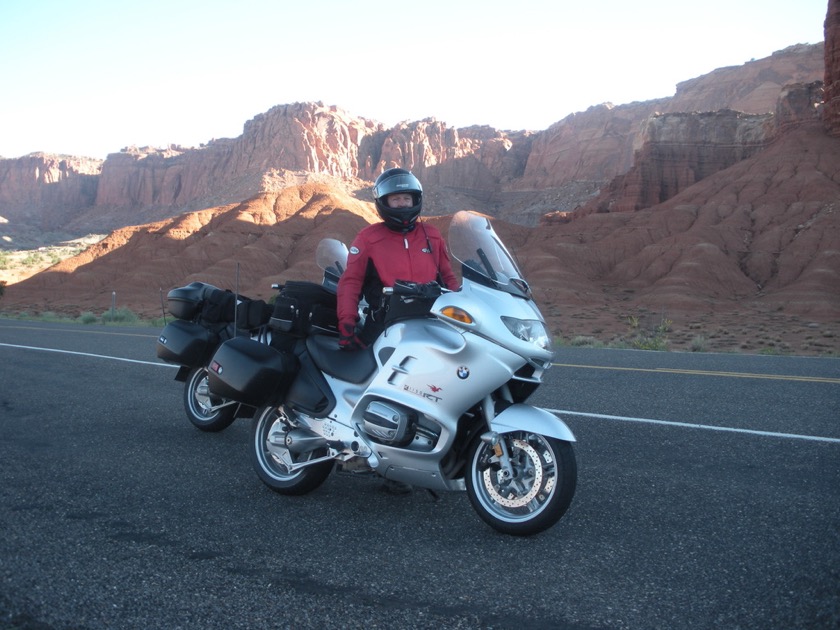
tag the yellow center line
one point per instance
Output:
(152, 331)
(774, 377)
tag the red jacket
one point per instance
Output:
(379, 256)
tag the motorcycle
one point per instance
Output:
(437, 401)
(206, 317)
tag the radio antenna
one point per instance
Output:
(162, 309)
(236, 301)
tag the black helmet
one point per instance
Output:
(398, 180)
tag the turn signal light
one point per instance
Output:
(458, 314)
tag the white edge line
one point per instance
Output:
(689, 425)
(686, 425)
(88, 354)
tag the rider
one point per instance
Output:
(398, 248)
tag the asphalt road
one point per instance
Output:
(708, 497)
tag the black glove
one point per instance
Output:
(347, 337)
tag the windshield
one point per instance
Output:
(331, 257)
(474, 243)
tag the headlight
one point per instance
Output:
(530, 330)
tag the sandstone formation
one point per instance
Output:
(764, 233)
(752, 88)
(720, 225)
(515, 175)
(600, 143)
(270, 238)
(678, 151)
(746, 259)
(45, 192)
(832, 68)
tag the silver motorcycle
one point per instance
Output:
(438, 400)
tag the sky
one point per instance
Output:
(90, 77)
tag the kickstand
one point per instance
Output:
(433, 494)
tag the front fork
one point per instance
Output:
(494, 439)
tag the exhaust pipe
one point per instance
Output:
(303, 441)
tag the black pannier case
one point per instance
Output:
(251, 314)
(186, 343)
(218, 305)
(199, 300)
(250, 372)
(185, 302)
(301, 308)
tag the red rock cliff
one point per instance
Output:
(680, 150)
(515, 175)
(601, 142)
(754, 87)
(45, 190)
(831, 115)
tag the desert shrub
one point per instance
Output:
(52, 316)
(660, 344)
(582, 341)
(773, 350)
(88, 318)
(32, 260)
(652, 337)
(698, 344)
(120, 315)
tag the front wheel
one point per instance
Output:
(205, 411)
(275, 463)
(531, 495)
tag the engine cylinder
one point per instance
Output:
(389, 423)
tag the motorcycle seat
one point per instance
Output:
(350, 366)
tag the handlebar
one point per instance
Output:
(414, 289)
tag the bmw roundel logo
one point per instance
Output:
(463, 372)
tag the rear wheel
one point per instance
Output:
(274, 462)
(533, 494)
(203, 409)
